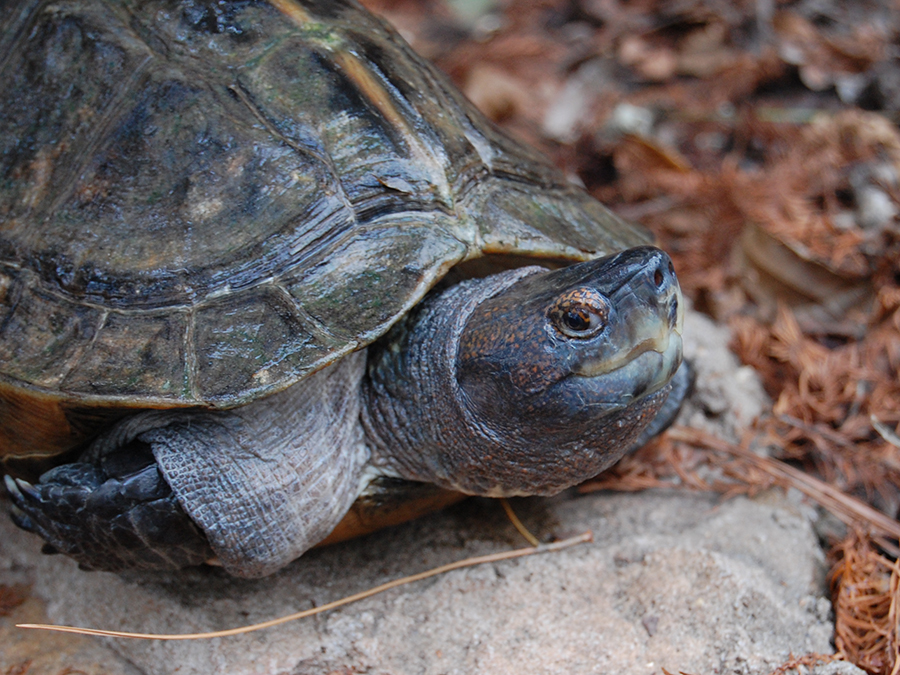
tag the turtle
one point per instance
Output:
(268, 280)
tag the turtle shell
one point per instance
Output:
(202, 202)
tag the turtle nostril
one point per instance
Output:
(658, 278)
(671, 268)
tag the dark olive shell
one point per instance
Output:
(202, 202)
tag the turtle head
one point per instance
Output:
(561, 349)
(531, 381)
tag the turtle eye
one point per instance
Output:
(579, 320)
(580, 313)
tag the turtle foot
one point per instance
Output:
(112, 523)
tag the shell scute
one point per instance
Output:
(135, 355)
(305, 92)
(58, 86)
(42, 335)
(251, 342)
(358, 290)
(516, 218)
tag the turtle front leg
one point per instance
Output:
(121, 516)
(254, 487)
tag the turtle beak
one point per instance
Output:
(643, 347)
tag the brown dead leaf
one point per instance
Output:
(865, 588)
(821, 58)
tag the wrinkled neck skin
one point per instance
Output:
(478, 427)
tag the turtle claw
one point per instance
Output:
(11, 486)
(27, 490)
(25, 509)
(18, 516)
(20, 520)
(108, 522)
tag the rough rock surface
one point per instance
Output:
(676, 581)
(673, 581)
(727, 396)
